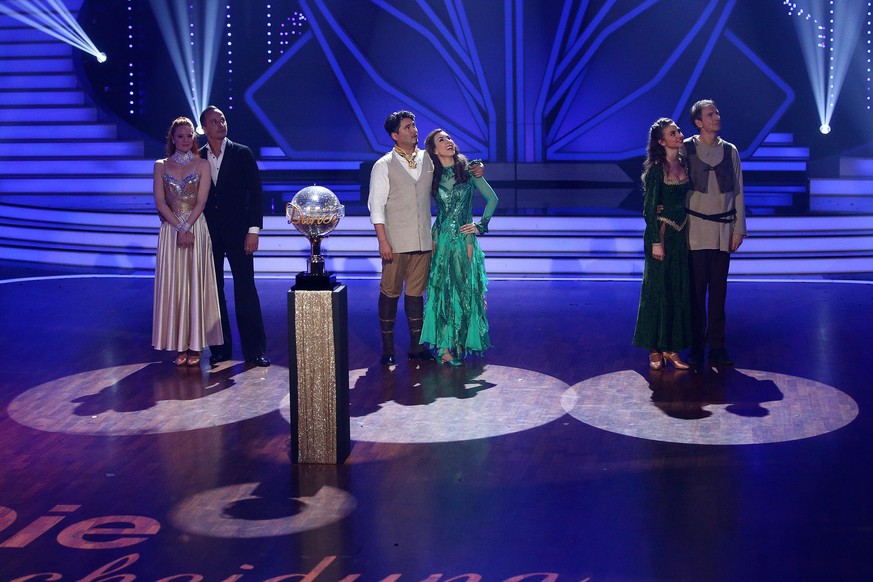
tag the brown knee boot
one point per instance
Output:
(414, 308)
(387, 316)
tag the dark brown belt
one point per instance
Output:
(726, 217)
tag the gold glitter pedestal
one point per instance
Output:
(318, 341)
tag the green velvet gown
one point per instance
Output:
(454, 313)
(664, 316)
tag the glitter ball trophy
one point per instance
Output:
(318, 340)
(315, 211)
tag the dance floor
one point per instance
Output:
(558, 457)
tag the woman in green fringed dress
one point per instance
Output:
(454, 314)
(664, 317)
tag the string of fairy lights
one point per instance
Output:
(869, 34)
(288, 27)
(133, 102)
(228, 44)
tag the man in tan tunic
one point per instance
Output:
(716, 228)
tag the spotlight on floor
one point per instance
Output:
(825, 129)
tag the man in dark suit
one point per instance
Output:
(235, 217)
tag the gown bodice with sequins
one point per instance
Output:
(181, 196)
(186, 310)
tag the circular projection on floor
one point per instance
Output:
(149, 398)
(434, 403)
(716, 407)
(258, 510)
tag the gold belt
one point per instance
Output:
(673, 224)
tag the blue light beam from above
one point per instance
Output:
(54, 19)
(192, 33)
(828, 33)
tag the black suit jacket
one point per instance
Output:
(235, 202)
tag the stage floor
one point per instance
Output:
(557, 457)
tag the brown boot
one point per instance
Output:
(387, 317)
(414, 307)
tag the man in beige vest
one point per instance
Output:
(400, 210)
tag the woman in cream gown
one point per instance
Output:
(186, 315)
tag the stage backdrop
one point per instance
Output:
(510, 80)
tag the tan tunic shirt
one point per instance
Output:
(706, 234)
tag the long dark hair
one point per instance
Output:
(170, 147)
(459, 166)
(655, 152)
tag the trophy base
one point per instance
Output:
(309, 282)
(318, 375)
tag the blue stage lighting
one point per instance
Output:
(54, 19)
(192, 34)
(828, 33)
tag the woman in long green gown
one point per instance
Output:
(454, 315)
(664, 316)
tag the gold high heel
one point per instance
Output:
(181, 359)
(193, 358)
(676, 360)
(656, 360)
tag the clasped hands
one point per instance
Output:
(185, 239)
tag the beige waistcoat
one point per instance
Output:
(407, 212)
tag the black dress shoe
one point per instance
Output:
(695, 358)
(215, 359)
(388, 360)
(423, 355)
(720, 357)
(262, 361)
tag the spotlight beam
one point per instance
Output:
(808, 34)
(828, 33)
(54, 19)
(846, 31)
(192, 34)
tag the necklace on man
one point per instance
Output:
(183, 159)
(410, 158)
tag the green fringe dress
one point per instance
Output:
(454, 313)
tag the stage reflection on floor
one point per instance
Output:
(559, 456)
